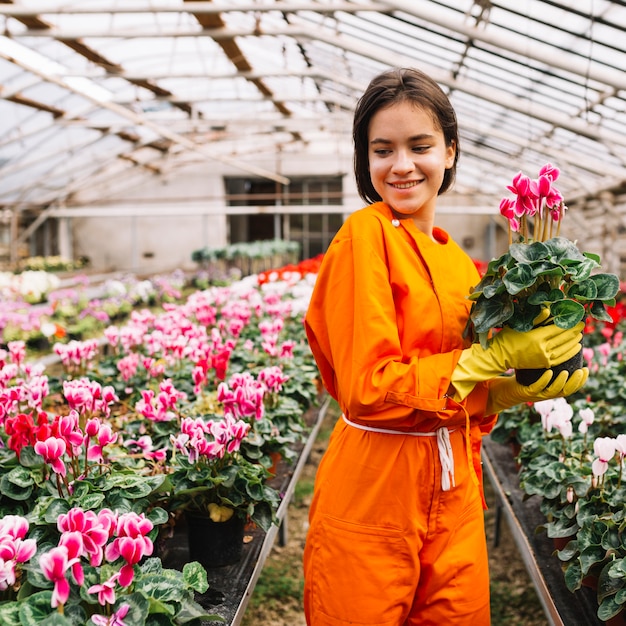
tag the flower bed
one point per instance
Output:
(101, 460)
(571, 456)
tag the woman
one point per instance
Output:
(396, 532)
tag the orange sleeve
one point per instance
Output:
(385, 324)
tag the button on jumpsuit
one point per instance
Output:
(387, 545)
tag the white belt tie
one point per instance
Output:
(446, 457)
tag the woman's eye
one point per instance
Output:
(420, 148)
(382, 152)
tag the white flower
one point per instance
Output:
(604, 449)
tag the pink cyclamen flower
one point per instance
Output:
(17, 351)
(52, 449)
(14, 549)
(94, 531)
(131, 544)
(115, 620)
(604, 449)
(54, 565)
(74, 543)
(105, 591)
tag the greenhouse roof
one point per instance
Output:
(99, 92)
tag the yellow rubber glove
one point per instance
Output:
(505, 392)
(542, 346)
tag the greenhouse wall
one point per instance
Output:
(155, 228)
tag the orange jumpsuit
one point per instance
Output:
(387, 545)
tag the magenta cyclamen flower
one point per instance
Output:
(52, 449)
(17, 351)
(14, 549)
(272, 378)
(54, 564)
(94, 530)
(105, 591)
(115, 620)
(536, 199)
(131, 544)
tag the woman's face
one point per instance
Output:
(407, 160)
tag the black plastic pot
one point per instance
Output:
(214, 544)
(529, 376)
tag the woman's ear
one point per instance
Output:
(450, 154)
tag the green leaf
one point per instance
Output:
(195, 576)
(590, 556)
(607, 585)
(598, 312)
(567, 313)
(519, 278)
(488, 314)
(583, 291)
(191, 610)
(561, 248)
(138, 611)
(17, 484)
(35, 608)
(56, 619)
(10, 613)
(542, 297)
(497, 287)
(609, 608)
(573, 576)
(527, 253)
(55, 508)
(29, 458)
(607, 285)
(158, 516)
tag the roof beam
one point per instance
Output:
(205, 8)
(18, 98)
(523, 106)
(34, 22)
(237, 57)
(518, 44)
(141, 120)
(539, 52)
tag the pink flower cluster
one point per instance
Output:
(88, 396)
(532, 197)
(273, 378)
(14, 549)
(270, 333)
(556, 413)
(208, 440)
(160, 407)
(21, 384)
(76, 356)
(97, 537)
(242, 396)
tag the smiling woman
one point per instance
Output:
(414, 394)
(408, 158)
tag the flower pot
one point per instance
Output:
(276, 457)
(214, 544)
(529, 376)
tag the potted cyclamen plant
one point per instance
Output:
(216, 488)
(542, 277)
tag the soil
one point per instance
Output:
(277, 599)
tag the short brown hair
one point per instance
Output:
(390, 87)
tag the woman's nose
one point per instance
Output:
(403, 162)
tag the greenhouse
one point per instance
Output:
(205, 270)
